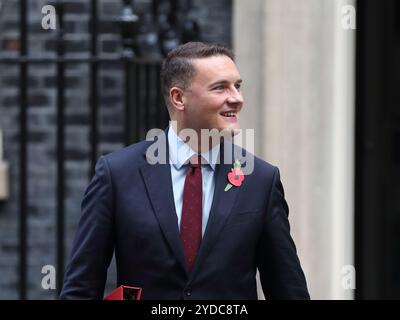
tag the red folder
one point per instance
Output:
(125, 293)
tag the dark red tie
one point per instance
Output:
(192, 212)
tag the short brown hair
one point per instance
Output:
(177, 68)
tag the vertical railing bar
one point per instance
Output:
(147, 92)
(139, 106)
(136, 98)
(93, 88)
(60, 148)
(156, 94)
(134, 90)
(23, 179)
(152, 88)
(162, 108)
(165, 115)
(159, 96)
(141, 119)
(130, 136)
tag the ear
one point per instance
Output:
(176, 97)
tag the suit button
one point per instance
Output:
(188, 293)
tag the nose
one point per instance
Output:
(235, 98)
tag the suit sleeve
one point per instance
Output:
(93, 246)
(279, 266)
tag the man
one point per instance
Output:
(191, 228)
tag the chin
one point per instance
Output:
(228, 132)
(233, 128)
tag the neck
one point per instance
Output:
(194, 139)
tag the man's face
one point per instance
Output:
(213, 99)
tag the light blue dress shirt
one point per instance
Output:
(179, 155)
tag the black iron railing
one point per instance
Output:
(143, 102)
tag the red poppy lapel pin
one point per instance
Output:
(236, 176)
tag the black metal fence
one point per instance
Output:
(144, 107)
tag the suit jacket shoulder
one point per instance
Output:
(262, 170)
(131, 155)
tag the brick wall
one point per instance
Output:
(215, 21)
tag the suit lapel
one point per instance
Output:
(158, 181)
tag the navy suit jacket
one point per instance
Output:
(129, 207)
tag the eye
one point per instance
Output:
(219, 87)
(238, 86)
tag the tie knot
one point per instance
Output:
(195, 161)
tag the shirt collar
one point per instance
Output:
(180, 152)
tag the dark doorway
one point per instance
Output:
(377, 224)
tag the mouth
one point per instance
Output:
(229, 116)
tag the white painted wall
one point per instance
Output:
(297, 63)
